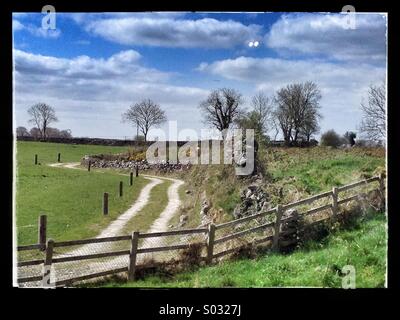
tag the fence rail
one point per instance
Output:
(275, 236)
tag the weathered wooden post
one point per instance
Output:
(36, 158)
(334, 201)
(289, 231)
(105, 203)
(133, 255)
(210, 243)
(89, 165)
(279, 213)
(120, 188)
(59, 157)
(131, 178)
(137, 171)
(382, 189)
(47, 263)
(42, 231)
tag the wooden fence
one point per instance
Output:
(209, 243)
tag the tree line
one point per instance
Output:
(41, 116)
(293, 111)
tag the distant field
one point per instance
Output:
(71, 199)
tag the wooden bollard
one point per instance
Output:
(89, 165)
(36, 158)
(210, 243)
(120, 188)
(59, 157)
(46, 280)
(105, 203)
(42, 231)
(334, 201)
(137, 171)
(131, 178)
(133, 255)
(277, 227)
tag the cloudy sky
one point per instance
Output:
(92, 67)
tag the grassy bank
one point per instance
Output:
(72, 199)
(317, 264)
(291, 174)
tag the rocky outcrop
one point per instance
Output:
(253, 199)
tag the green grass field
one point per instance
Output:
(317, 264)
(71, 199)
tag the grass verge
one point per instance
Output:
(317, 264)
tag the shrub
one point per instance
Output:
(331, 138)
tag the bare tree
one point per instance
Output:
(22, 132)
(373, 124)
(42, 115)
(297, 110)
(221, 108)
(259, 118)
(67, 133)
(310, 125)
(34, 132)
(145, 115)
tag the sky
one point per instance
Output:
(90, 67)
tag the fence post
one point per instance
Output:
(36, 158)
(47, 263)
(334, 201)
(105, 203)
(382, 189)
(131, 178)
(210, 243)
(59, 157)
(89, 164)
(137, 171)
(133, 255)
(120, 188)
(279, 213)
(42, 230)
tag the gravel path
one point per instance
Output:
(70, 269)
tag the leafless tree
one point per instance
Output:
(373, 124)
(34, 132)
(297, 110)
(66, 133)
(259, 117)
(144, 115)
(310, 125)
(22, 132)
(221, 108)
(42, 115)
(56, 133)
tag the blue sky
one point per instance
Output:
(91, 67)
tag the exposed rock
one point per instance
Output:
(182, 220)
(253, 199)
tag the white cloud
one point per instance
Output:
(168, 32)
(16, 25)
(342, 85)
(91, 94)
(328, 35)
(36, 31)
